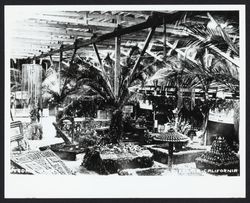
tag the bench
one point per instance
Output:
(17, 133)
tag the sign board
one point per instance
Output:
(41, 162)
(223, 116)
(145, 105)
(128, 109)
(21, 95)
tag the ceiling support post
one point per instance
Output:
(117, 60)
(164, 40)
(117, 65)
(149, 37)
(59, 67)
(97, 54)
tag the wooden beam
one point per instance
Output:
(26, 46)
(101, 66)
(70, 14)
(62, 25)
(114, 16)
(97, 54)
(26, 50)
(44, 38)
(21, 55)
(100, 49)
(151, 22)
(172, 29)
(74, 51)
(164, 40)
(117, 65)
(37, 28)
(45, 42)
(145, 14)
(72, 20)
(59, 67)
(142, 52)
(68, 34)
(117, 59)
(62, 134)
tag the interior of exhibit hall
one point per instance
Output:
(143, 93)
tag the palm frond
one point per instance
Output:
(221, 32)
(200, 35)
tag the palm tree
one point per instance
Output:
(203, 63)
(97, 78)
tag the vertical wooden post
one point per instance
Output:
(59, 68)
(155, 129)
(170, 155)
(149, 37)
(101, 65)
(164, 39)
(46, 67)
(97, 54)
(11, 116)
(117, 62)
(85, 17)
(192, 98)
(154, 111)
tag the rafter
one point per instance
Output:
(151, 22)
(52, 31)
(72, 20)
(45, 38)
(54, 24)
(147, 41)
(97, 54)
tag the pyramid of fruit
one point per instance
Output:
(219, 157)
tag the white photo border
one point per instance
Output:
(92, 186)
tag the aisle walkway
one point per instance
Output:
(49, 132)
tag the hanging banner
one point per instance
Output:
(32, 83)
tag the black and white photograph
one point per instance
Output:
(148, 95)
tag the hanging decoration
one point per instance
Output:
(32, 85)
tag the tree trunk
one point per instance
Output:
(205, 119)
(116, 126)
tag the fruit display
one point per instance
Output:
(220, 159)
